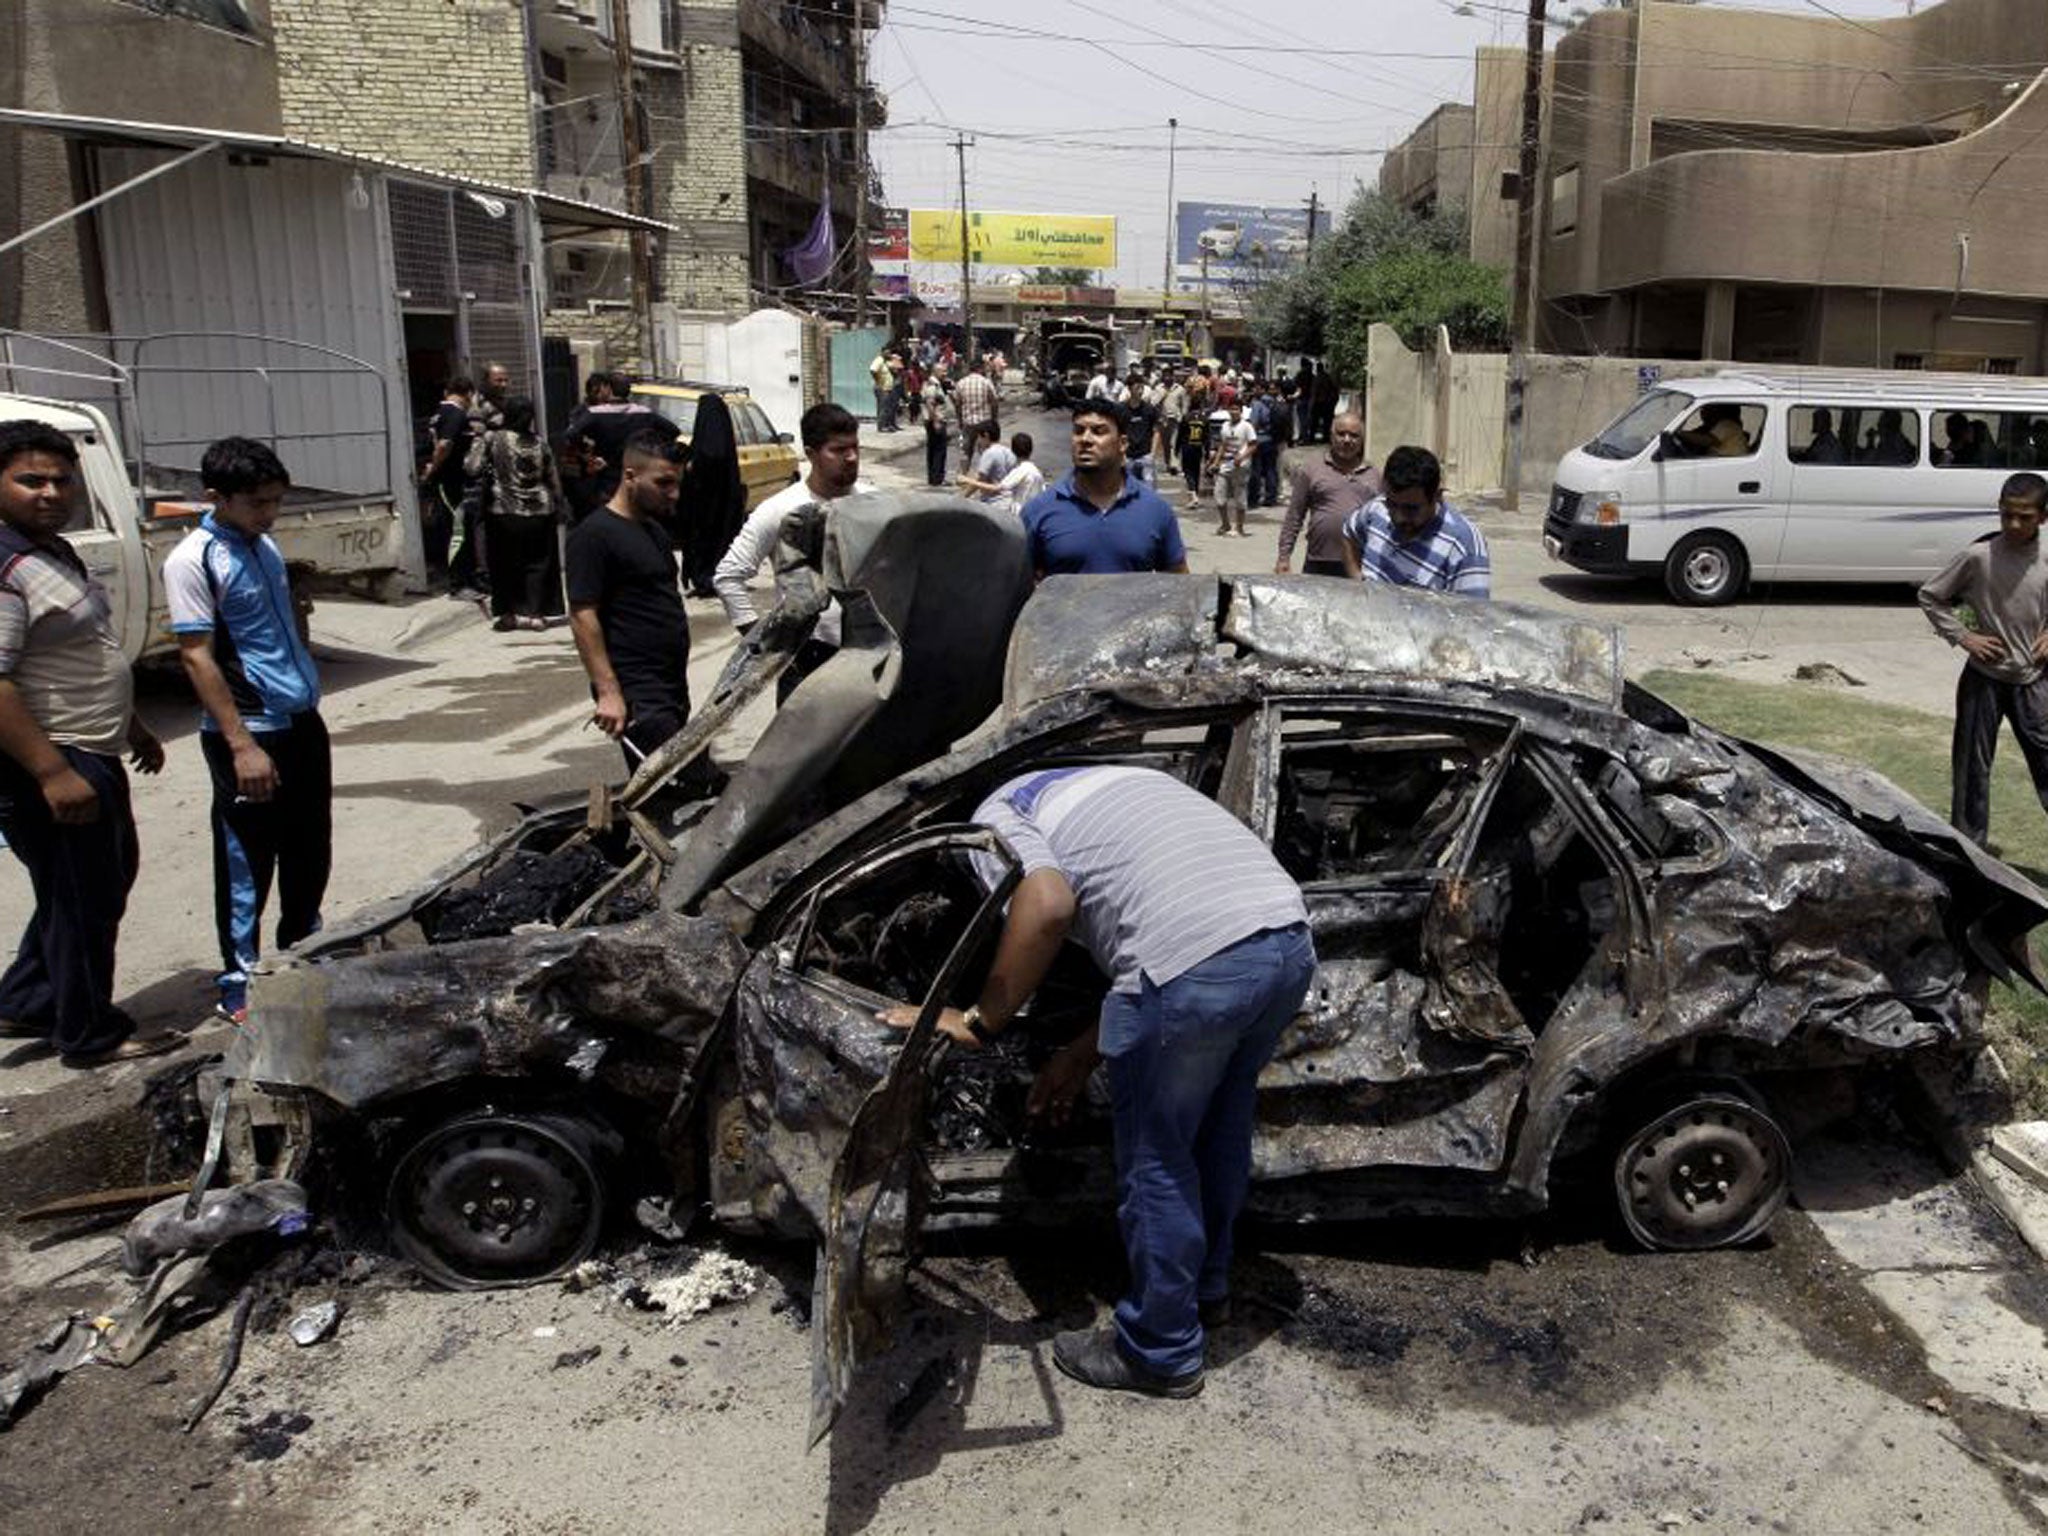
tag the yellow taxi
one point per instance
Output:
(768, 458)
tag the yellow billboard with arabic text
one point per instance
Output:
(1015, 239)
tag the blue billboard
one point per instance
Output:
(1243, 242)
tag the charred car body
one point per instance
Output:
(1552, 914)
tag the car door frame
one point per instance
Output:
(876, 1181)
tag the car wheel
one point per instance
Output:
(492, 1199)
(1706, 570)
(1710, 1171)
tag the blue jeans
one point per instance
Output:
(1184, 1064)
(1265, 490)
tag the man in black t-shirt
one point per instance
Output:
(443, 481)
(625, 604)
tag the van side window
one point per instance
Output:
(1722, 429)
(1852, 434)
(1963, 440)
(1991, 440)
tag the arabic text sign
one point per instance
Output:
(1015, 239)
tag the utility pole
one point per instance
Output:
(1314, 203)
(960, 143)
(1525, 250)
(1172, 149)
(860, 155)
(634, 154)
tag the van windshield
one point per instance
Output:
(1637, 427)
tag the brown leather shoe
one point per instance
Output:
(134, 1048)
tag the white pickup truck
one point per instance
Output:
(136, 509)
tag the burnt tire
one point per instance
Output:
(1711, 1170)
(498, 1199)
(1706, 570)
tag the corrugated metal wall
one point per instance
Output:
(280, 249)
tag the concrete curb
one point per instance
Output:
(2014, 1180)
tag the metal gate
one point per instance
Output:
(459, 253)
(853, 352)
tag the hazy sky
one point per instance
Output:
(1075, 121)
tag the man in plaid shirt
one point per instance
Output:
(974, 398)
(1411, 537)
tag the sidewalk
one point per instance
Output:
(899, 444)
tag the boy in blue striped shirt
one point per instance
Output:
(1410, 536)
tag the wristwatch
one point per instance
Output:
(980, 1031)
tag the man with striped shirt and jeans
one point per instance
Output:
(1205, 939)
(1410, 536)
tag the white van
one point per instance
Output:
(1711, 482)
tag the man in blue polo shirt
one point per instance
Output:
(1100, 519)
(264, 742)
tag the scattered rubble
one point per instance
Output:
(1827, 674)
(315, 1324)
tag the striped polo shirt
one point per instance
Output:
(59, 647)
(1449, 555)
(1163, 877)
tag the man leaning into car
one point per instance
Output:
(1205, 939)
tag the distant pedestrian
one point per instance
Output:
(1099, 518)
(1231, 449)
(465, 550)
(933, 411)
(2003, 582)
(265, 744)
(67, 712)
(1195, 433)
(1326, 493)
(514, 478)
(713, 499)
(1173, 410)
(608, 418)
(1304, 402)
(626, 606)
(990, 461)
(883, 372)
(1264, 415)
(576, 457)
(1143, 429)
(1019, 484)
(443, 480)
(1324, 410)
(1409, 536)
(974, 399)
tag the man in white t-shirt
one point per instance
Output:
(831, 439)
(1016, 487)
(1230, 454)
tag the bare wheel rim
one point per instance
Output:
(1707, 570)
(1709, 1173)
(497, 1200)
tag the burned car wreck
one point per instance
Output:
(1554, 916)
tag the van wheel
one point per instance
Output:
(1706, 570)
(1710, 1170)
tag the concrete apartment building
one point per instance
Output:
(746, 110)
(1787, 187)
(1459, 155)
